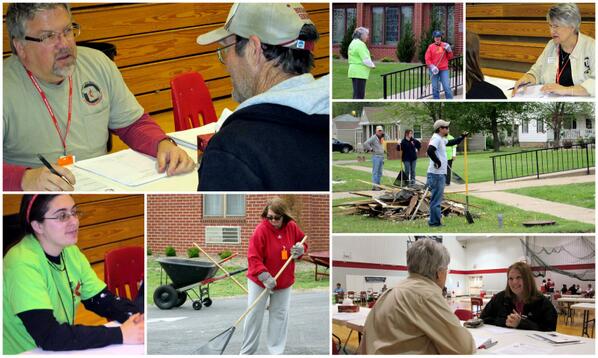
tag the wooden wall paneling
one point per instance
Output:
(519, 10)
(526, 28)
(12, 202)
(105, 233)
(96, 254)
(109, 210)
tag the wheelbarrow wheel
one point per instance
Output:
(165, 297)
(181, 299)
(207, 302)
(196, 305)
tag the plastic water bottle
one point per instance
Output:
(500, 221)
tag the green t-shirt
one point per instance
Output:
(358, 52)
(101, 100)
(31, 282)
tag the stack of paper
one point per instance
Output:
(188, 138)
(127, 167)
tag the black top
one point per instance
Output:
(541, 315)
(566, 78)
(408, 149)
(268, 147)
(484, 90)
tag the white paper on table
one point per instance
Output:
(86, 182)
(479, 338)
(126, 167)
(523, 348)
(496, 330)
(188, 138)
(346, 316)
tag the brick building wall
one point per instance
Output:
(421, 22)
(177, 221)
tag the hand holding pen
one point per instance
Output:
(48, 178)
(525, 80)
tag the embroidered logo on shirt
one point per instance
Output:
(91, 93)
(587, 65)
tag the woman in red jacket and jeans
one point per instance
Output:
(274, 240)
(437, 57)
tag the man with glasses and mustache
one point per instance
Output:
(278, 137)
(62, 101)
(437, 170)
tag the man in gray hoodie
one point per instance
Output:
(278, 137)
(375, 144)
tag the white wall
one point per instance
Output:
(472, 254)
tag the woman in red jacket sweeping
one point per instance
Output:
(437, 57)
(274, 240)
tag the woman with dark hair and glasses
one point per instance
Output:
(274, 240)
(520, 305)
(46, 277)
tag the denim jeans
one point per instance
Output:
(410, 171)
(436, 185)
(377, 166)
(442, 76)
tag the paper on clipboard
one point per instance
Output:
(86, 182)
(188, 138)
(126, 167)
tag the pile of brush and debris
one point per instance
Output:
(398, 204)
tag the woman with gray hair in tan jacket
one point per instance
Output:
(414, 317)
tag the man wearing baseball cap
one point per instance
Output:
(437, 57)
(437, 168)
(375, 144)
(278, 137)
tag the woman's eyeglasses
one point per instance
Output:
(65, 216)
(273, 217)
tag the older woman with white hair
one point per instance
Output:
(566, 66)
(360, 61)
(414, 317)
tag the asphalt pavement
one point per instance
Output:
(183, 330)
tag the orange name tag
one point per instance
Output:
(65, 160)
(284, 254)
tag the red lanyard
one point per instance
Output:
(559, 69)
(49, 108)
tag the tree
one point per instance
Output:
(480, 117)
(426, 39)
(406, 46)
(556, 113)
(344, 50)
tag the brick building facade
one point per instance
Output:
(386, 20)
(179, 220)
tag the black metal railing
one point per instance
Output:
(414, 82)
(543, 161)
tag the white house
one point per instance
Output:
(537, 133)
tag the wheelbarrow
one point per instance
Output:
(185, 275)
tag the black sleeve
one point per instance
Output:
(544, 317)
(490, 313)
(220, 171)
(454, 141)
(432, 154)
(112, 307)
(50, 335)
(418, 144)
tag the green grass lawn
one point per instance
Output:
(487, 222)
(479, 164)
(343, 89)
(575, 194)
(351, 179)
(304, 279)
(345, 156)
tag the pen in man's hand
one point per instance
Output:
(52, 170)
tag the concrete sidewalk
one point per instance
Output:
(496, 192)
(183, 330)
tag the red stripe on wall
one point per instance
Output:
(372, 266)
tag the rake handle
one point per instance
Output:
(222, 268)
(265, 289)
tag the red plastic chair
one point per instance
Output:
(476, 305)
(463, 315)
(124, 267)
(191, 101)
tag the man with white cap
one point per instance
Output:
(375, 144)
(437, 169)
(278, 137)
